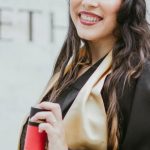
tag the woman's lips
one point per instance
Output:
(88, 18)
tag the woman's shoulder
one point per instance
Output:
(142, 88)
(137, 127)
(137, 92)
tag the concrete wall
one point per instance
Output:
(31, 34)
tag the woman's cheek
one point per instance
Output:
(111, 7)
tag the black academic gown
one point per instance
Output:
(134, 106)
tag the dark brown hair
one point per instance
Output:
(130, 52)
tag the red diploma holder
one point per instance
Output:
(34, 140)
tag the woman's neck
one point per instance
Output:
(100, 48)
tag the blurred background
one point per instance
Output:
(31, 35)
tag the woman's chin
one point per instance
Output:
(87, 37)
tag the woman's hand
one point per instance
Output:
(53, 125)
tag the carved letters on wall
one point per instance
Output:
(30, 13)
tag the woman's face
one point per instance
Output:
(94, 19)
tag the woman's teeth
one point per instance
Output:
(89, 18)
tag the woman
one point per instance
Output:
(108, 47)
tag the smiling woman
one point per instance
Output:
(100, 80)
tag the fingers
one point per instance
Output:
(53, 107)
(45, 127)
(52, 124)
(51, 131)
(44, 115)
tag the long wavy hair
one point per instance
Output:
(130, 52)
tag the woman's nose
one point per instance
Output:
(89, 3)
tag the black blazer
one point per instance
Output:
(135, 105)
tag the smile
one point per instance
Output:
(88, 18)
